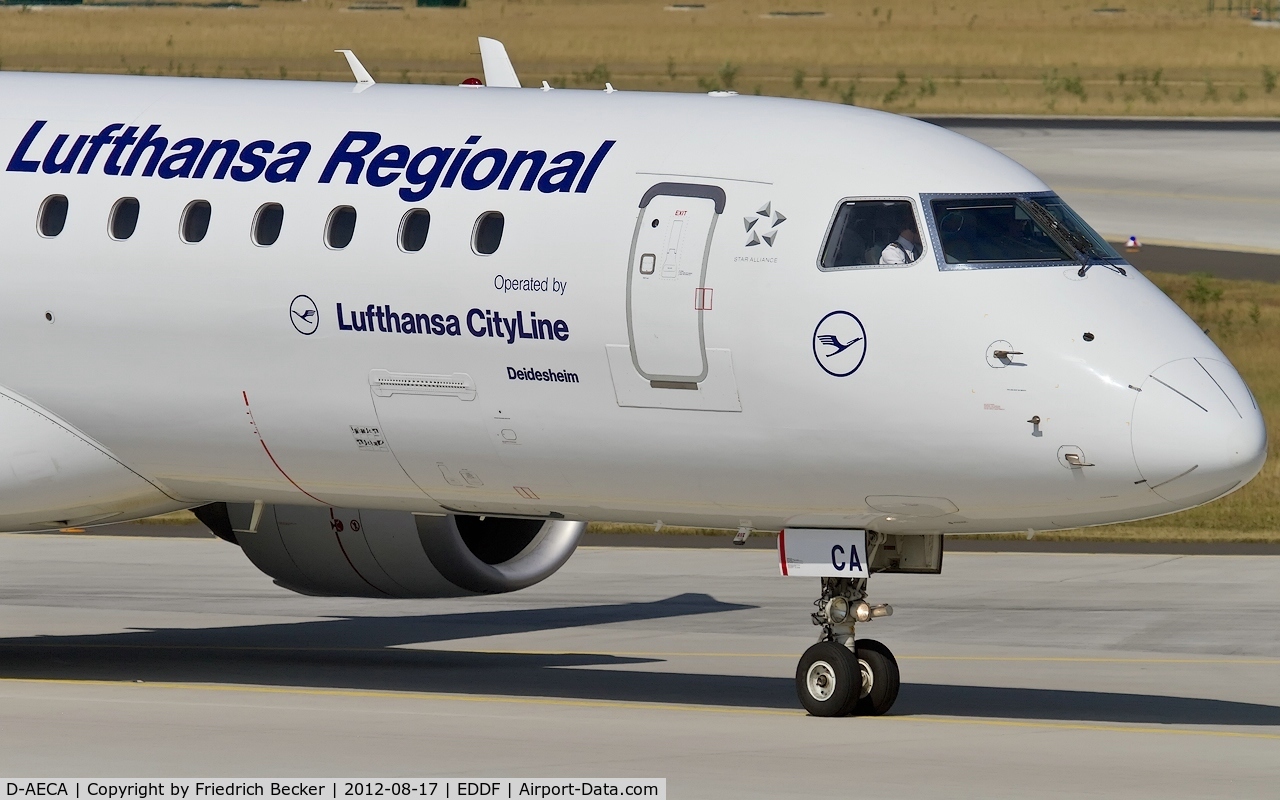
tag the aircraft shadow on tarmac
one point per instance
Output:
(369, 653)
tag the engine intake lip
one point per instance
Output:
(445, 545)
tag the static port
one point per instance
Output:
(1088, 337)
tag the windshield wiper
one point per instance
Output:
(1085, 249)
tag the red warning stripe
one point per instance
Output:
(782, 551)
(267, 450)
(338, 537)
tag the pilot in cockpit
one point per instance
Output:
(906, 248)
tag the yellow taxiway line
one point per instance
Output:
(409, 648)
(1044, 659)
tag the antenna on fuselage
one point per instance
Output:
(497, 65)
(363, 79)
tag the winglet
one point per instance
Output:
(363, 79)
(497, 66)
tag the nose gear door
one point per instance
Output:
(665, 278)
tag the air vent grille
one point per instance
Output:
(459, 384)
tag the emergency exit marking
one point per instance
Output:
(702, 299)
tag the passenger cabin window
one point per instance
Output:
(267, 223)
(871, 233)
(988, 231)
(340, 227)
(195, 221)
(413, 230)
(124, 218)
(53, 216)
(488, 233)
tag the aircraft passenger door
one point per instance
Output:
(666, 280)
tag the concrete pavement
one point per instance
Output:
(1054, 675)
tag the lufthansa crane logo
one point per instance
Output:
(304, 315)
(840, 344)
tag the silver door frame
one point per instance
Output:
(717, 196)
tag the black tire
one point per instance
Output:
(885, 681)
(828, 680)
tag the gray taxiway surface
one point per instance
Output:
(1024, 675)
(1195, 183)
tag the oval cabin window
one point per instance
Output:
(267, 224)
(124, 218)
(53, 215)
(413, 230)
(195, 221)
(488, 233)
(340, 227)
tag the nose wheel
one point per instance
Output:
(829, 680)
(880, 679)
(839, 675)
(834, 681)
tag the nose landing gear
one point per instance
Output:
(839, 675)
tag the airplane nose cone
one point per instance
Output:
(1197, 431)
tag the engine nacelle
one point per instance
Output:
(347, 552)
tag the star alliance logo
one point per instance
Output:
(763, 225)
(840, 344)
(304, 315)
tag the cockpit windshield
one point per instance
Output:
(987, 231)
(1089, 242)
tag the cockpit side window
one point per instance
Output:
(872, 233)
(1014, 230)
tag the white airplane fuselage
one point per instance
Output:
(171, 374)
